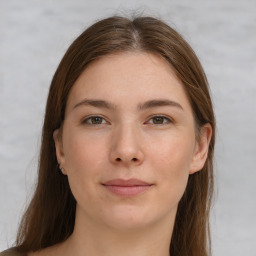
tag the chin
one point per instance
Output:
(130, 218)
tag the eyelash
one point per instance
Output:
(169, 120)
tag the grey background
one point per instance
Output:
(34, 35)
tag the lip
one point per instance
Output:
(126, 183)
(127, 188)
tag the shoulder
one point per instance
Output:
(11, 252)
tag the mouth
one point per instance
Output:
(127, 188)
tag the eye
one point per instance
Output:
(94, 120)
(160, 120)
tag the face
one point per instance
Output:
(128, 141)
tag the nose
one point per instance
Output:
(126, 148)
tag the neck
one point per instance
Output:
(96, 240)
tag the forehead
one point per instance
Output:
(128, 78)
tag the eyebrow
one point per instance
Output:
(141, 106)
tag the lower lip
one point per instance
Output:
(127, 191)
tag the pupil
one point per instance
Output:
(96, 120)
(158, 120)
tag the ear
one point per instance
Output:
(201, 149)
(59, 148)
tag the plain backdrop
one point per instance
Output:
(34, 34)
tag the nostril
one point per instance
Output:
(119, 159)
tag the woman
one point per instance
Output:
(127, 148)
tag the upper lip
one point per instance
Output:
(126, 183)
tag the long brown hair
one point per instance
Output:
(50, 216)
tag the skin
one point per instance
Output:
(127, 143)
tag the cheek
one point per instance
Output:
(171, 163)
(83, 152)
(84, 158)
(174, 153)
